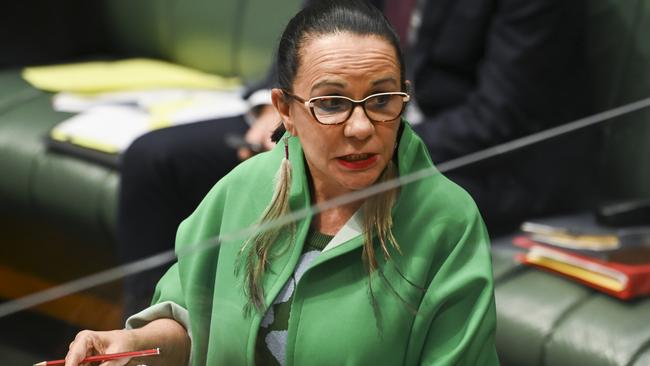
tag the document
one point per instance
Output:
(110, 122)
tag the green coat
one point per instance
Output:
(445, 252)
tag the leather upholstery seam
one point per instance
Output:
(510, 274)
(570, 310)
(645, 346)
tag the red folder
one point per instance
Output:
(621, 280)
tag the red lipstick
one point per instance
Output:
(358, 162)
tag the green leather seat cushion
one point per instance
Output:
(42, 182)
(545, 319)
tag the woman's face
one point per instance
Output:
(351, 155)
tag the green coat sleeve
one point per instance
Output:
(169, 288)
(190, 281)
(458, 317)
(197, 252)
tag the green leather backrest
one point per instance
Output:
(262, 26)
(225, 37)
(621, 54)
(139, 27)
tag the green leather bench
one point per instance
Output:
(228, 38)
(63, 206)
(544, 319)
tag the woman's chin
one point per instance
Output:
(358, 181)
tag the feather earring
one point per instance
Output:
(283, 183)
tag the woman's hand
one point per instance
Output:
(89, 343)
(259, 133)
(166, 334)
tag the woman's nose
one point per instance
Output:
(358, 125)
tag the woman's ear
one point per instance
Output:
(282, 104)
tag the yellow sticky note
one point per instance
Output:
(131, 74)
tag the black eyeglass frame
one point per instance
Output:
(310, 105)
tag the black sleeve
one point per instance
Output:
(529, 78)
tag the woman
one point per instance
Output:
(403, 277)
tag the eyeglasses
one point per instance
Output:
(336, 109)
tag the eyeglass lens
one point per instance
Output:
(333, 110)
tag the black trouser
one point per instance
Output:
(164, 175)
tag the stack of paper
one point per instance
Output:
(614, 262)
(119, 101)
(133, 74)
(571, 238)
(110, 122)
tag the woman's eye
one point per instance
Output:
(379, 101)
(331, 104)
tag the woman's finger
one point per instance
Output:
(118, 362)
(82, 346)
(244, 153)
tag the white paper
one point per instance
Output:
(116, 119)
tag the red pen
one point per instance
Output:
(102, 358)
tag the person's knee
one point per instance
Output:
(150, 152)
